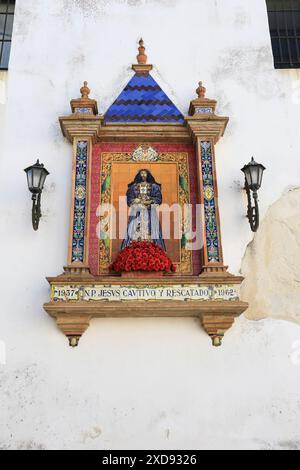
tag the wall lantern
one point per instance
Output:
(253, 177)
(36, 176)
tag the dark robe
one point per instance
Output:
(143, 223)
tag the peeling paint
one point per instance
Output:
(94, 434)
(289, 445)
(23, 445)
(241, 17)
(271, 264)
(251, 68)
(26, 19)
(92, 8)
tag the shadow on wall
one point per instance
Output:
(271, 264)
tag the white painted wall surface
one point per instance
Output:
(148, 383)
(3, 98)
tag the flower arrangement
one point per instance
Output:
(143, 256)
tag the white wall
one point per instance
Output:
(3, 97)
(142, 383)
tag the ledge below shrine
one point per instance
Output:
(213, 298)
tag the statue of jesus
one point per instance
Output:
(143, 197)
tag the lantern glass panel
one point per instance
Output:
(37, 173)
(248, 175)
(254, 172)
(43, 178)
(29, 174)
(261, 172)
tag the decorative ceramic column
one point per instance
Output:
(81, 128)
(206, 128)
(80, 198)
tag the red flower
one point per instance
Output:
(142, 256)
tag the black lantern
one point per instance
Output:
(36, 176)
(253, 178)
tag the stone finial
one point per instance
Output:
(84, 105)
(142, 67)
(202, 106)
(201, 90)
(85, 91)
(142, 57)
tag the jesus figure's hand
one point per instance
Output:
(147, 203)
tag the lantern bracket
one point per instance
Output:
(253, 209)
(36, 210)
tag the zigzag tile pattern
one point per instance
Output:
(142, 100)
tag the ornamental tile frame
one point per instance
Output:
(144, 117)
(181, 160)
